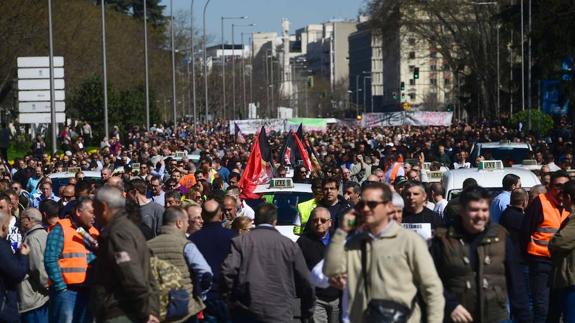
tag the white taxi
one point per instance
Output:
(489, 175)
(285, 195)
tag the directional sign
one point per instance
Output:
(59, 95)
(42, 61)
(40, 118)
(43, 84)
(39, 73)
(40, 106)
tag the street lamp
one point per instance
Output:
(104, 69)
(206, 60)
(174, 103)
(365, 93)
(193, 63)
(52, 92)
(234, 65)
(224, 62)
(146, 74)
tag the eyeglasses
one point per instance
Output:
(370, 204)
(320, 220)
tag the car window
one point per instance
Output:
(286, 202)
(506, 154)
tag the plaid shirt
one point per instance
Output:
(53, 253)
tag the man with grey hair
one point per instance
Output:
(12, 272)
(123, 286)
(398, 205)
(33, 290)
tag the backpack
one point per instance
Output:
(174, 298)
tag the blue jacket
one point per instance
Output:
(214, 242)
(12, 271)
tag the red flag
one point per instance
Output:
(258, 168)
(303, 153)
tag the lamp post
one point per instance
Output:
(205, 60)
(357, 89)
(224, 62)
(104, 69)
(52, 92)
(146, 73)
(174, 98)
(365, 94)
(234, 64)
(193, 63)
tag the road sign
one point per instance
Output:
(40, 118)
(43, 84)
(59, 95)
(41, 61)
(30, 107)
(39, 73)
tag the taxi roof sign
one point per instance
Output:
(490, 165)
(435, 174)
(281, 183)
(529, 162)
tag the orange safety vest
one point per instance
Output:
(552, 219)
(74, 259)
(396, 167)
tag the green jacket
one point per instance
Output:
(399, 267)
(562, 248)
(304, 210)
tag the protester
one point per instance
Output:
(416, 211)
(313, 243)
(409, 265)
(241, 225)
(331, 200)
(172, 246)
(70, 250)
(501, 201)
(304, 208)
(264, 273)
(438, 197)
(351, 192)
(151, 213)
(476, 288)
(123, 287)
(195, 217)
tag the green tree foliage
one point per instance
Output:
(126, 108)
(135, 8)
(541, 122)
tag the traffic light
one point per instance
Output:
(310, 81)
(416, 73)
(402, 87)
(450, 108)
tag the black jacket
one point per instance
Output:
(512, 220)
(122, 280)
(264, 274)
(313, 252)
(425, 216)
(336, 211)
(13, 269)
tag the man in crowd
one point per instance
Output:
(46, 194)
(264, 274)
(12, 271)
(545, 216)
(416, 211)
(173, 198)
(172, 246)
(407, 271)
(158, 193)
(230, 210)
(195, 217)
(500, 202)
(331, 199)
(123, 287)
(14, 234)
(50, 212)
(313, 244)
(151, 213)
(33, 291)
(213, 241)
(304, 208)
(70, 250)
(351, 192)
(438, 197)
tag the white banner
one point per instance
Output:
(402, 118)
(250, 127)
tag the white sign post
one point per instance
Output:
(34, 104)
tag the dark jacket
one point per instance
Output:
(213, 241)
(479, 272)
(336, 211)
(425, 216)
(562, 248)
(264, 274)
(123, 283)
(512, 220)
(314, 251)
(13, 269)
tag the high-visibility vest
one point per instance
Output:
(74, 259)
(304, 211)
(552, 219)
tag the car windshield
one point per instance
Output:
(508, 155)
(286, 202)
(63, 181)
(493, 192)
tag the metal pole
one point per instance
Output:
(497, 113)
(252, 71)
(233, 72)
(174, 98)
(223, 72)
(272, 78)
(523, 61)
(529, 65)
(357, 95)
(104, 68)
(243, 79)
(52, 92)
(364, 95)
(193, 62)
(146, 73)
(206, 61)
(371, 93)
(267, 85)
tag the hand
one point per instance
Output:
(461, 315)
(24, 249)
(153, 319)
(348, 221)
(338, 281)
(421, 158)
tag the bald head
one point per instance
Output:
(117, 182)
(373, 178)
(211, 211)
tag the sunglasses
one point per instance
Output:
(370, 204)
(320, 220)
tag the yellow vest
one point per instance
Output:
(304, 210)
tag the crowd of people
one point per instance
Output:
(161, 237)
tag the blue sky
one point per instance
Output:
(267, 14)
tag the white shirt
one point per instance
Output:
(247, 211)
(440, 207)
(457, 165)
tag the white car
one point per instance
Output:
(63, 178)
(285, 195)
(489, 175)
(509, 152)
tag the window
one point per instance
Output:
(433, 54)
(411, 41)
(411, 55)
(412, 96)
(411, 68)
(433, 81)
(433, 67)
(446, 81)
(411, 82)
